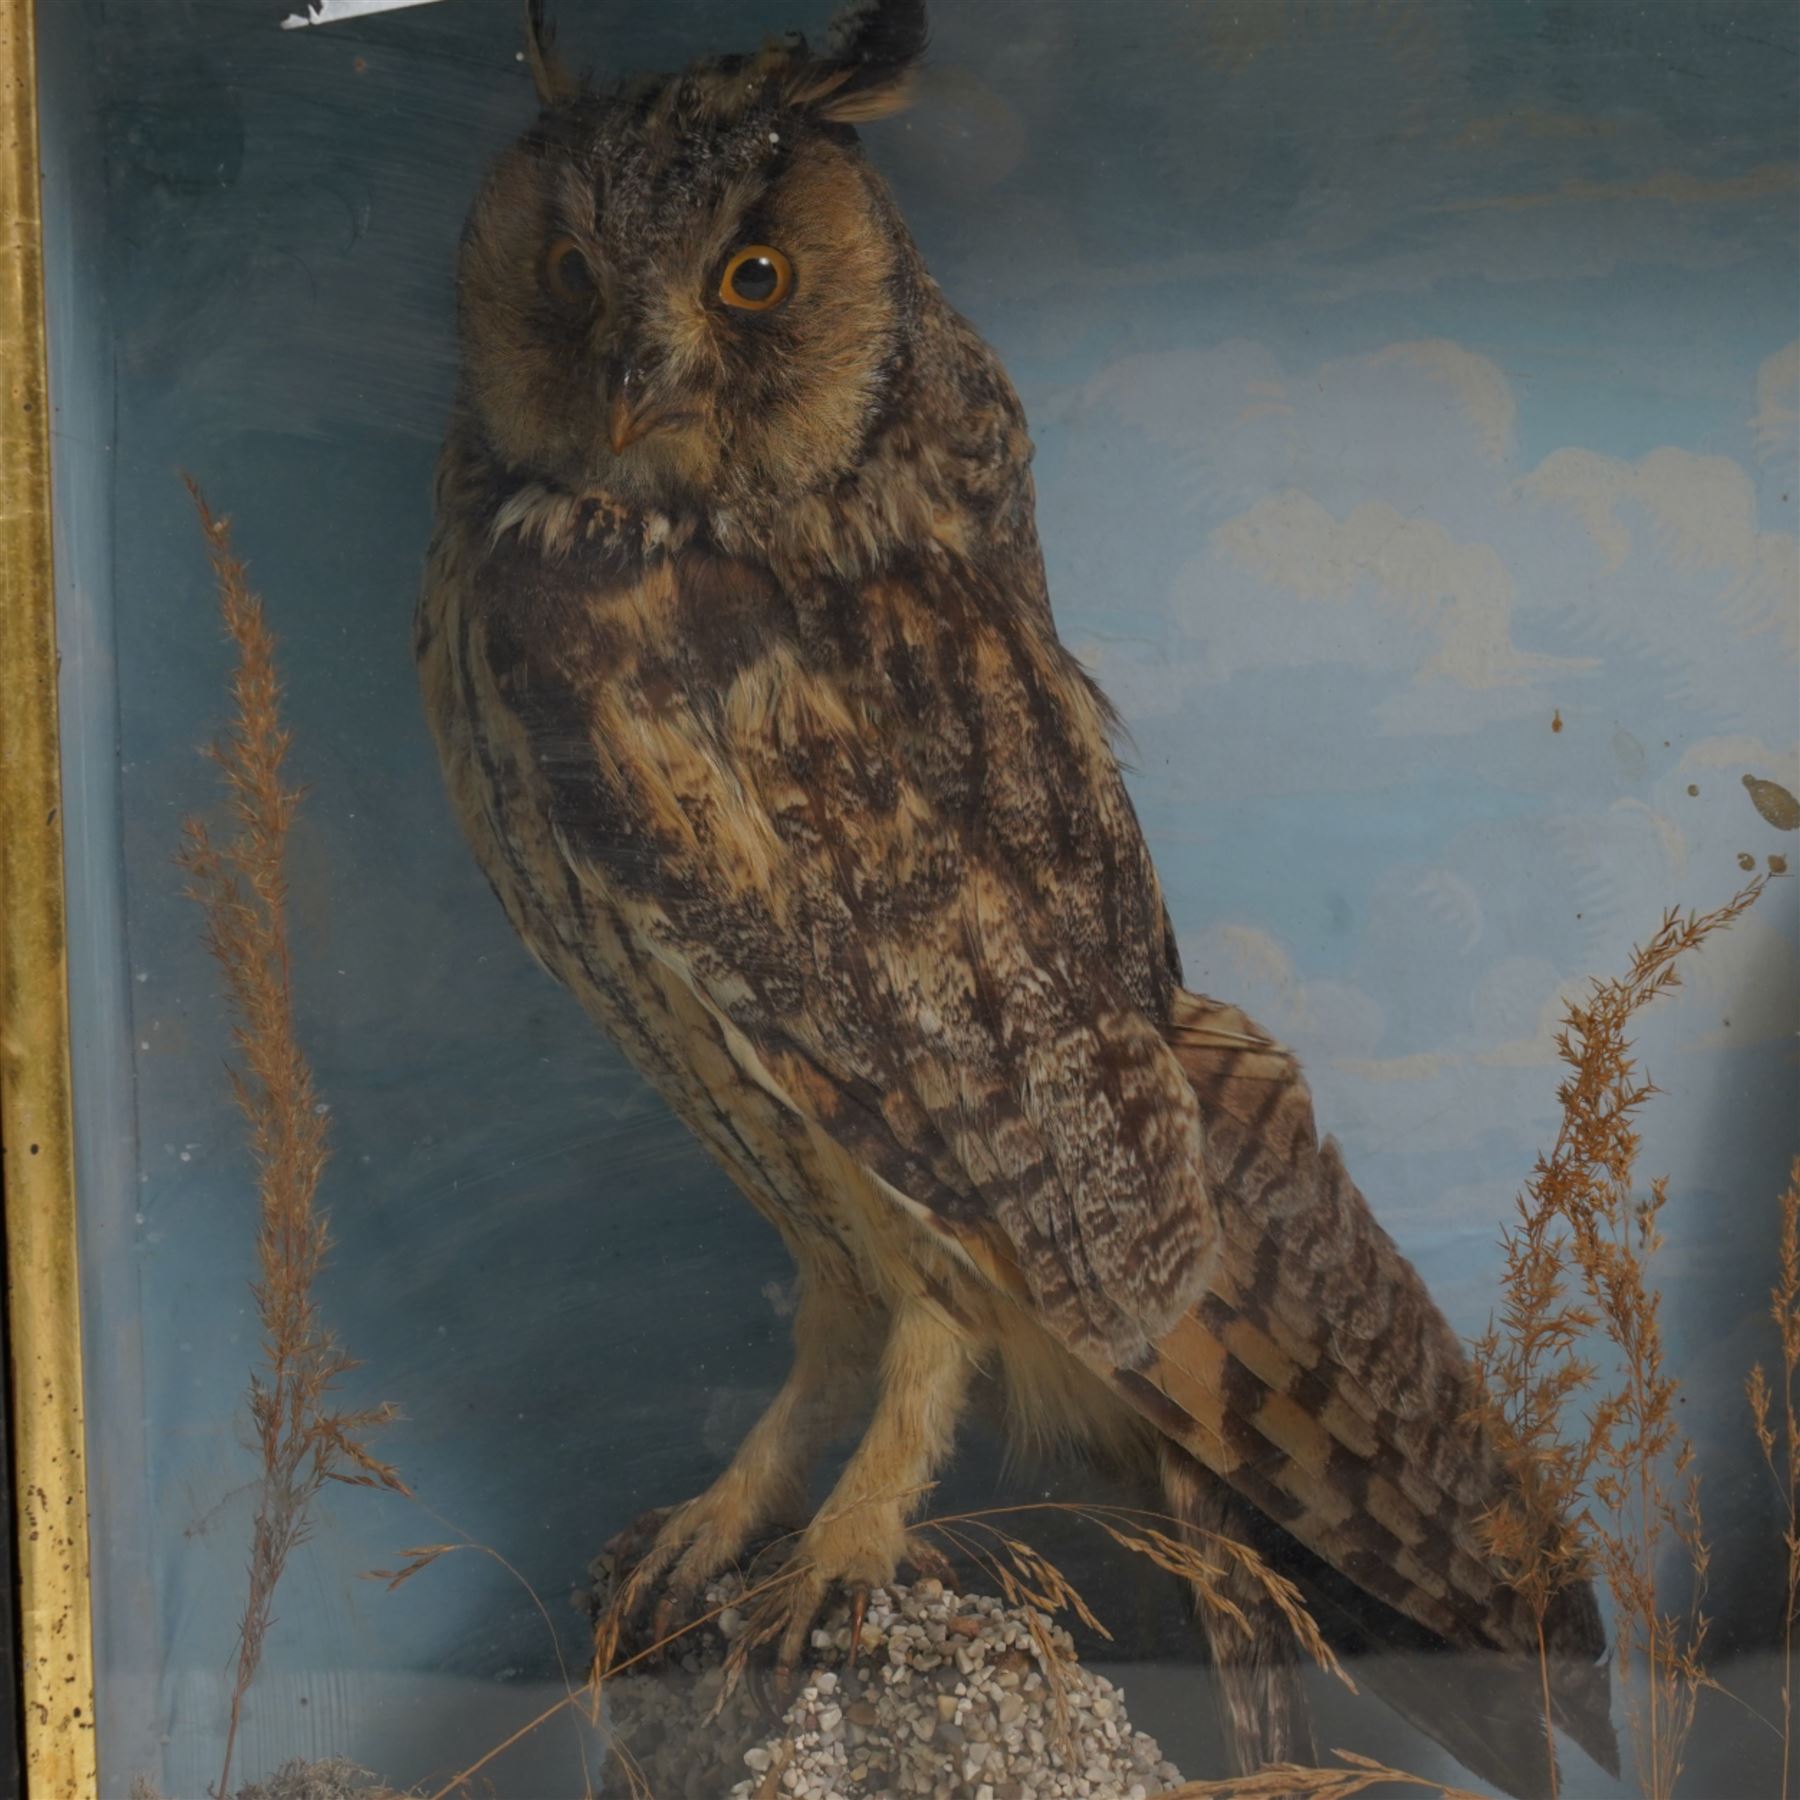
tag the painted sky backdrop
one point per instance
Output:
(1416, 389)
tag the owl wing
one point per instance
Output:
(998, 1089)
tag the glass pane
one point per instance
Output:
(1414, 398)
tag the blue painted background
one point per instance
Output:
(1408, 378)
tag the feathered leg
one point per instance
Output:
(837, 1338)
(1261, 1702)
(858, 1538)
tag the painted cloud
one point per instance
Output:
(1574, 655)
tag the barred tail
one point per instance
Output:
(1262, 1707)
(1318, 1395)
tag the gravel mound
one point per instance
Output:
(950, 1698)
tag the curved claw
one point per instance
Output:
(662, 1623)
(925, 1560)
(767, 1687)
(798, 1633)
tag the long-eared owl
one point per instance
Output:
(736, 643)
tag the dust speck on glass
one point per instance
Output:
(978, 601)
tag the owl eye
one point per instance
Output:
(757, 278)
(566, 273)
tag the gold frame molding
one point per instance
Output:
(43, 1291)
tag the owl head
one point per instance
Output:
(692, 288)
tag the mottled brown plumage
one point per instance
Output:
(737, 647)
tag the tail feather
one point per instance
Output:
(1320, 1384)
(1262, 1706)
(1484, 1707)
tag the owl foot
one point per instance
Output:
(829, 1561)
(663, 1561)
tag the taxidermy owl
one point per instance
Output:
(736, 645)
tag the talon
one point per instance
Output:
(756, 1679)
(926, 1560)
(859, 1606)
(745, 1670)
(784, 1678)
(773, 1691)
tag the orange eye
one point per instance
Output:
(566, 273)
(756, 279)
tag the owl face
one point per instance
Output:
(692, 291)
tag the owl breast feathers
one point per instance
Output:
(736, 645)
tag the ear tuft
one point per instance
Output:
(874, 47)
(549, 73)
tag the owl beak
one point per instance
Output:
(627, 421)
(631, 418)
(640, 401)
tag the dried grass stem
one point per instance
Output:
(1610, 1493)
(303, 1438)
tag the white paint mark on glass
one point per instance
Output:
(334, 12)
